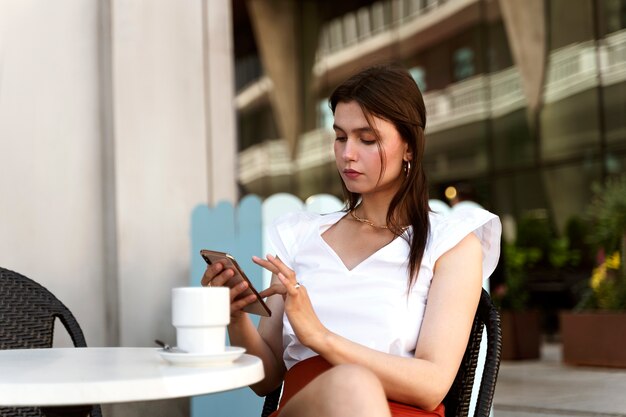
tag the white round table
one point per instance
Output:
(75, 376)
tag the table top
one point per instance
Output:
(74, 376)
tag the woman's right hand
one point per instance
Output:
(218, 276)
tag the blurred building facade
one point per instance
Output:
(475, 64)
(526, 104)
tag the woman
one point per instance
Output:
(352, 291)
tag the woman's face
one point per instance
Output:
(358, 156)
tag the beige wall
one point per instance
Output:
(105, 149)
(160, 156)
(50, 162)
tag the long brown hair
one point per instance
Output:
(390, 93)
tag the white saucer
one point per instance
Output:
(230, 354)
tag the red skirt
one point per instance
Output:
(304, 372)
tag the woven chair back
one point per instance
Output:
(27, 315)
(458, 399)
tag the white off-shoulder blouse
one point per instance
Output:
(369, 304)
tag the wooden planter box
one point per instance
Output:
(594, 338)
(521, 334)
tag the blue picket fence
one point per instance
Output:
(239, 231)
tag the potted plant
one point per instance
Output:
(521, 332)
(539, 267)
(595, 332)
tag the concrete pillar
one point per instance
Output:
(525, 24)
(160, 156)
(286, 32)
(219, 100)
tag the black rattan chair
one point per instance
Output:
(457, 401)
(27, 315)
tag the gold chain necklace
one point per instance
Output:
(368, 222)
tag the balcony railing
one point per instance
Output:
(271, 158)
(369, 21)
(570, 70)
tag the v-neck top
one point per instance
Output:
(371, 304)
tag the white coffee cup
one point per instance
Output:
(200, 316)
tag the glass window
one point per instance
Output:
(568, 189)
(456, 153)
(326, 118)
(498, 48)
(570, 126)
(419, 75)
(463, 63)
(255, 127)
(519, 193)
(614, 14)
(615, 163)
(570, 22)
(615, 114)
(513, 145)
(247, 70)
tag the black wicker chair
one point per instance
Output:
(27, 315)
(457, 401)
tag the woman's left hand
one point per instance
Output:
(298, 307)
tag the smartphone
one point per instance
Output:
(258, 307)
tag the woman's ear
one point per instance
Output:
(408, 155)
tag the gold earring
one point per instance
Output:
(407, 168)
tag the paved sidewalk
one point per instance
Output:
(547, 388)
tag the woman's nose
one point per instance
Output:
(349, 150)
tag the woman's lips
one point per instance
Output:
(350, 173)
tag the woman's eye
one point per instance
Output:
(340, 139)
(368, 142)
